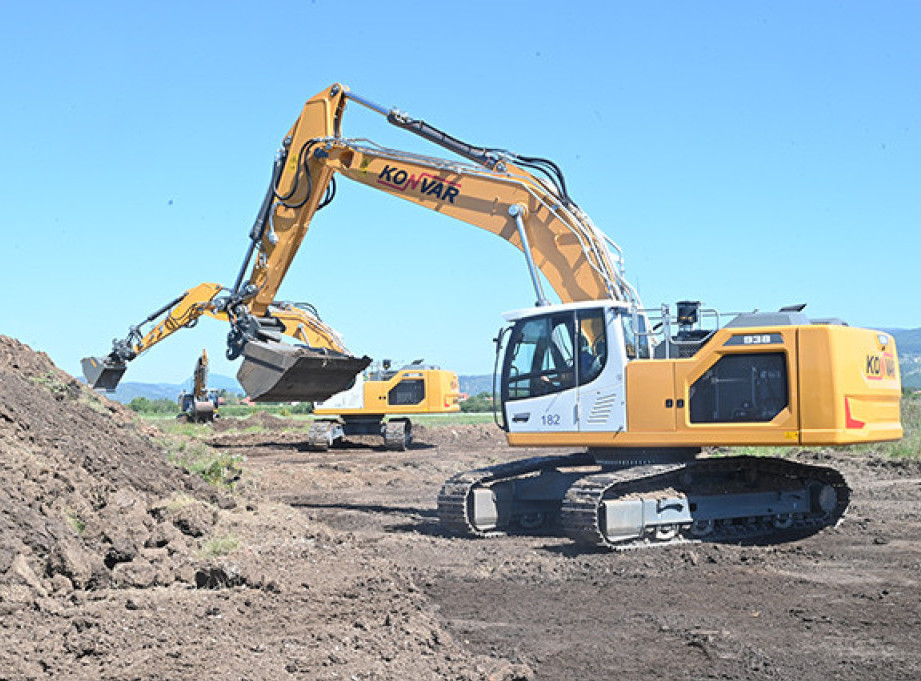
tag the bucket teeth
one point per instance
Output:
(278, 372)
(102, 373)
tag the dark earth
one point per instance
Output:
(115, 564)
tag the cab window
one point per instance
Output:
(593, 346)
(540, 357)
(636, 342)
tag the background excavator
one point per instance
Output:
(200, 405)
(379, 392)
(639, 392)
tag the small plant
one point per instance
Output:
(197, 458)
(219, 546)
(178, 501)
(50, 381)
(76, 523)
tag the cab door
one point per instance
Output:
(600, 370)
(539, 375)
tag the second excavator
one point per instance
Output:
(638, 392)
(381, 402)
(200, 405)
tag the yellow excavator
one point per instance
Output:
(200, 405)
(638, 392)
(379, 392)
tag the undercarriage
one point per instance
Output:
(657, 497)
(325, 433)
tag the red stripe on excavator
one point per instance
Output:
(850, 421)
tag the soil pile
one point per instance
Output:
(116, 564)
(259, 420)
(85, 490)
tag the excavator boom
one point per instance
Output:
(492, 189)
(523, 200)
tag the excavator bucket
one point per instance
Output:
(278, 372)
(102, 373)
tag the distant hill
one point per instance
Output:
(474, 385)
(908, 343)
(128, 390)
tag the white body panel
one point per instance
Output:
(597, 406)
(545, 414)
(603, 402)
(353, 398)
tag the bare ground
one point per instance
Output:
(116, 565)
(845, 603)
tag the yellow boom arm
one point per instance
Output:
(495, 192)
(493, 189)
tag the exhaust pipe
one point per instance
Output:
(278, 372)
(102, 373)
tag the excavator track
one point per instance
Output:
(318, 437)
(709, 499)
(581, 513)
(398, 434)
(454, 497)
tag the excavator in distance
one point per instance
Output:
(639, 392)
(200, 405)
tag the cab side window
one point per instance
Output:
(636, 342)
(593, 347)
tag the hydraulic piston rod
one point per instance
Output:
(517, 212)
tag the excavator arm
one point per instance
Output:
(298, 321)
(522, 199)
(184, 311)
(200, 377)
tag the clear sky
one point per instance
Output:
(746, 154)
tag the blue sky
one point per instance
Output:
(746, 154)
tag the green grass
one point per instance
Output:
(197, 457)
(909, 447)
(174, 426)
(215, 467)
(52, 383)
(219, 546)
(76, 523)
(455, 419)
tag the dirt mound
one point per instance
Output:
(85, 488)
(259, 419)
(116, 564)
(469, 435)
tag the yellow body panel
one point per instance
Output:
(441, 395)
(850, 386)
(843, 388)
